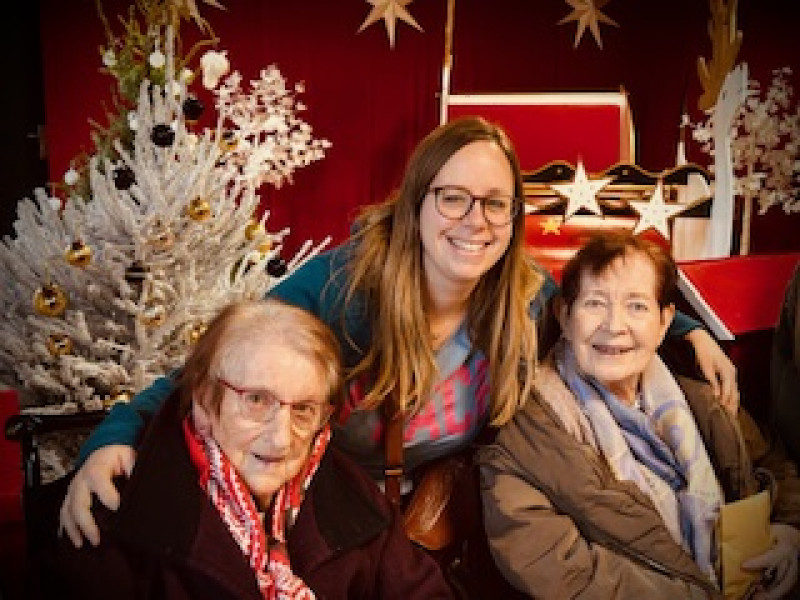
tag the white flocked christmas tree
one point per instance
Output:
(103, 294)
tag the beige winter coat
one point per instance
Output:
(561, 526)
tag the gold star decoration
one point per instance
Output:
(655, 212)
(587, 12)
(582, 192)
(551, 225)
(390, 11)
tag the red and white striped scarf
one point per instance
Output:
(269, 561)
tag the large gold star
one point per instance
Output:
(389, 11)
(587, 12)
(655, 212)
(582, 192)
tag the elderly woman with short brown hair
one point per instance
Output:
(609, 482)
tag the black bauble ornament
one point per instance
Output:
(192, 109)
(136, 273)
(123, 178)
(276, 266)
(162, 135)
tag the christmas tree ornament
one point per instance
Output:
(59, 344)
(192, 109)
(162, 135)
(71, 177)
(199, 209)
(157, 59)
(109, 58)
(253, 230)
(265, 246)
(186, 75)
(276, 266)
(50, 300)
(78, 254)
(214, 66)
(116, 396)
(195, 332)
(136, 272)
(228, 141)
(153, 315)
(123, 178)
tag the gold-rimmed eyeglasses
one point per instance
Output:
(455, 202)
(262, 406)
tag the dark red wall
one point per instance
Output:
(374, 103)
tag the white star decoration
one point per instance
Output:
(582, 192)
(587, 12)
(389, 11)
(655, 212)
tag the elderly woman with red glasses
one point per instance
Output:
(236, 492)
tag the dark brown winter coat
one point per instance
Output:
(168, 541)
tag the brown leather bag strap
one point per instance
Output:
(393, 447)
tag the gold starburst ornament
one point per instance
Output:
(588, 14)
(390, 11)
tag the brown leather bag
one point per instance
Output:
(442, 509)
(432, 518)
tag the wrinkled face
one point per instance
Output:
(615, 324)
(458, 252)
(265, 454)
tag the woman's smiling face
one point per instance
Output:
(458, 252)
(615, 324)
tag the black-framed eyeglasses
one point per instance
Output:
(455, 202)
(262, 406)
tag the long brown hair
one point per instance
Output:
(387, 270)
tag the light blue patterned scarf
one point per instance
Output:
(658, 447)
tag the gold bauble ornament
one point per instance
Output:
(199, 209)
(50, 300)
(59, 344)
(195, 332)
(116, 396)
(265, 246)
(253, 229)
(228, 141)
(153, 316)
(79, 254)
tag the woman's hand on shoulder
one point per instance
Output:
(95, 477)
(716, 367)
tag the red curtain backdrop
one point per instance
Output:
(374, 103)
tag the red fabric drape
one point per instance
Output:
(374, 103)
